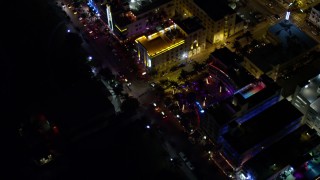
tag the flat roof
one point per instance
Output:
(161, 42)
(142, 6)
(190, 25)
(127, 11)
(224, 113)
(284, 152)
(217, 11)
(258, 96)
(262, 126)
(309, 90)
(316, 105)
(317, 7)
(292, 43)
(230, 63)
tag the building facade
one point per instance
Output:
(171, 45)
(314, 16)
(132, 18)
(306, 99)
(219, 20)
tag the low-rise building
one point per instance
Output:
(219, 20)
(284, 54)
(244, 104)
(174, 44)
(132, 18)
(314, 16)
(245, 140)
(307, 99)
(293, 157)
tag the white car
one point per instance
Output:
(153, 84)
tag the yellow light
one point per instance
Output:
(167, 49)
(121, 30)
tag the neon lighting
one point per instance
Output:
(287, 15)
(220, 70)
(109, 17)
(251, 89)
(149, 63)
(167, 49)
(121, 30)
(144, 38)
(199, 106)
(257, 110)
(93, 6)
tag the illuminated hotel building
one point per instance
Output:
(172, 44)
(246, 103)
(246, 140)
(132, 17)
(307, 99)
(219, 20)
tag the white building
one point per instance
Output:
(314, 16)
(307, 99)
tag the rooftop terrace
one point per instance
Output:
(288, 151)
(190, 25)
(309, 91)
(292, 43)
(162, 41)
(217, 11)
(262, 126)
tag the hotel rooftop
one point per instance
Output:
(292, 42)
(229, 62)
(217, 11)
(309, 89)
(128, 10)
(190, 25)
(162, 41)
(262, 126)
(252, 94)
(291, 151)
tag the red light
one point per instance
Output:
(55, 130)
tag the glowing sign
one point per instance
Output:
(109, 17)
(93, 6)
(149, 63)
(200, 108)
(287, 15)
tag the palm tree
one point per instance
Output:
(237, 46)
(183, 75)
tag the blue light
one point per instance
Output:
(200, 108)
(93, 6)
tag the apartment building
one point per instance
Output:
(135, 17)
(306, 99)
(219, 20)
